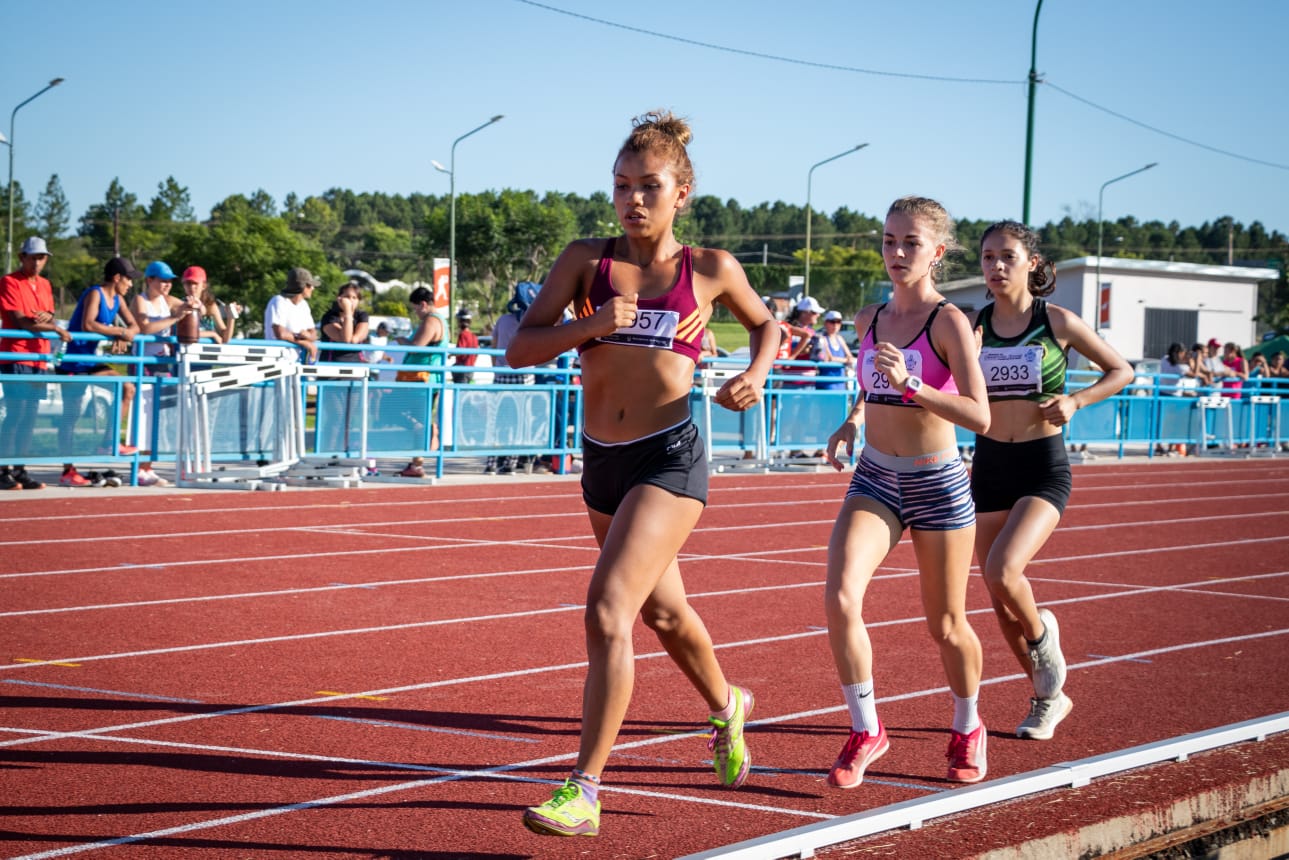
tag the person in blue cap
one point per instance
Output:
(157, 311)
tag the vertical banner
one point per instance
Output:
(442, 287)
(1103, 301)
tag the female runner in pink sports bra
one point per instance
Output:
(920, 377)
(642, 301)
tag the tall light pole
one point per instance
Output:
(451, 171)
(1029, 120)
(1096, 322)
(8, 241)
(805, 290)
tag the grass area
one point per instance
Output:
(729, 335)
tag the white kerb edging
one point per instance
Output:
(803, 841)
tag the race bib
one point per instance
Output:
(652, 329)
(1012, 369)
(875, 382)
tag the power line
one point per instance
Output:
(880, 73)
(762, 56)
(1176, 137)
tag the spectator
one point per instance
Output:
(708, 348)
(214, 317)
(1199, 364)
(1237, 370)
(803, 319)
(157, 312)
(1259, 373)
(502, 332)
(642, 298)
(1177, 376)
(1020, 476)
(1213, 361)
(1277, 368)
(344, 322)
(101, 310)
(288, 317)
(26, 302)
(832, 353)
(466, 339)
(430, 332)
(920, 377)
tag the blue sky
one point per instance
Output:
(295, 96)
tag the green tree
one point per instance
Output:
(247, 254)
(118, 225)
(20, 216)
(53, 212)
(171, 203)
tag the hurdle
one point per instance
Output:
(1270, 445)
(712, 379)
(1220, 407)
(206, 369)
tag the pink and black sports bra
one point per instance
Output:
(919, 356)
(671, 321)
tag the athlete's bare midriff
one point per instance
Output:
(632, 392)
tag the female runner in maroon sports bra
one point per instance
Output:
(642, 301)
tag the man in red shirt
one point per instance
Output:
(26, 302)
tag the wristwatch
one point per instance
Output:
(911, 388)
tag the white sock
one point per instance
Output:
(862, 705)
(965, 718)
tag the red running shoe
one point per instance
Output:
(861, 750)
(966, 755)
(72, 478)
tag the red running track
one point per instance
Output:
(397, 672)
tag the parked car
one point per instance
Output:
(97, 405)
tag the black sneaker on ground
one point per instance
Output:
(7, 480)
(96, 480)
(26, 481)
(111, 479)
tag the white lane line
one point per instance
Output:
(771, 555)
(1133, 590)
(344, 527)
(501, 771)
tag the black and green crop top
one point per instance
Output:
(1030, 366)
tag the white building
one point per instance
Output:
(1148, 304)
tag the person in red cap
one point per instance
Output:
(1212, 361)
(216, 318)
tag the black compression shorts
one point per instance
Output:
(1002, 473)
(673, 459)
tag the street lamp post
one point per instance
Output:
(1029, 118)
(451, 171)
(1096, 322)
(8, 241)
(805, 290)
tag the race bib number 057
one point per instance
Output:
(1012, 369)
(653, 329)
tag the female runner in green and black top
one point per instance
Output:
(1020, 473)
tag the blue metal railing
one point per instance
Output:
(496, 411)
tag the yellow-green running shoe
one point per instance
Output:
(567, 813)
(731, 757)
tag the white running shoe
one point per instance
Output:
(1044, 716)
(1047, 659)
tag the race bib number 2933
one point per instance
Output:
(1012, 369)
